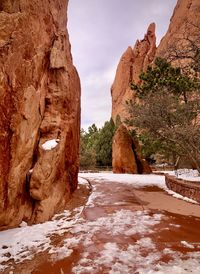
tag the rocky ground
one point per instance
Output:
(129, 224)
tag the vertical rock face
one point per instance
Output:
(181, 43)
(39, 101)
(183, 33)
(132, 63)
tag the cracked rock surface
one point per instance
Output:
(39, 101)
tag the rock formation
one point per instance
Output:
(126, 156)
(39, 102)
(183, 34)
(132, 63)
(182, 39)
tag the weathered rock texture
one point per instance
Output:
(132, 63)
(39, 101)
(183, 34)
(127, 157)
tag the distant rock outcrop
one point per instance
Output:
(131, 64)
(39, 102)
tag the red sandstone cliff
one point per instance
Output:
(131, 64)
(39, 101)
(183, 35)
(179, 45)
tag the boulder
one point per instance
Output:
(126, 156)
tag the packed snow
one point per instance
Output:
(179, 196)
(185, 174)
(117, 223)
(186, 244)
(137, 181)
(50, 144)
(22, 243)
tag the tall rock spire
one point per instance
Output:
(132, 63)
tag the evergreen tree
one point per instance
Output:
(96, 146)
(104, 144)
(87, 153)
(169, 110)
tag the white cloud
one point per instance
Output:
(100, 31)
(96, 99)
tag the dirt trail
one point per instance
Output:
(126, 230)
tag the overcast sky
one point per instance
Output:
(100, 31)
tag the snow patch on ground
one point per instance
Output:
(137, 181)
(93, 196)
(125, 222)
(179, 196)
(186, 244)
(185, 174)
(82, 181)
(50, 144)
(132, 259)
(22, 243)
(139, 256)
(178, 265)
(122, 223)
